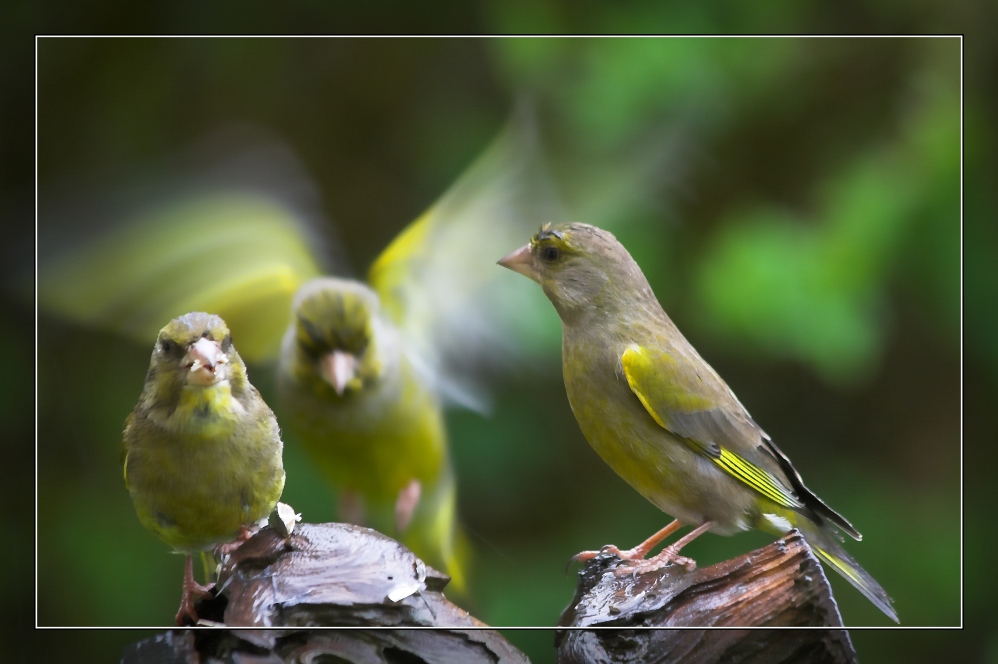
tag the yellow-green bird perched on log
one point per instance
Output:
(366, 369)
(259, 236)
(202, 451)
(661, 417)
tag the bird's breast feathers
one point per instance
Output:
(210, 411)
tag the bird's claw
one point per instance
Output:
(668, 556)
(633, 561)
(192, 594)
(583, 556)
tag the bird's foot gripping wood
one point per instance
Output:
(635, 563)
(636, 556)
(637, 553)
(668, 555)
(585, 556)
(192, 592)
(780, 585)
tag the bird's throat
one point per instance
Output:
(207, 410)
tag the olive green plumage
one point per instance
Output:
(659, 415)
(368, 419)
(367, 367)
(257, 243)
(202, 451)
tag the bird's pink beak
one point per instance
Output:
(338, 368)
(204, 356)
(521, 261)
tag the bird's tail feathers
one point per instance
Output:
(830, 552)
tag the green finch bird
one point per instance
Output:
(369, 421)
(240, 233)
(661, 417)
(202, 451)
(367, 369)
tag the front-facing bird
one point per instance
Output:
(202, 451)
(369, 419)
(368, 367)
(660, 416)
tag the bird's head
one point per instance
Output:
(334, 321)
(581, 268)
(195, 350)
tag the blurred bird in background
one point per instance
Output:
(366, 368)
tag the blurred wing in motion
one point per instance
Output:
(460, 316)
(237, 239)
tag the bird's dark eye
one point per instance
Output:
(168, 346)
(206, 334)
(550, 253)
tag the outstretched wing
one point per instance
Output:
(460, 315)
(235, 237)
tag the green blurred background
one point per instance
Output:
(795, 204)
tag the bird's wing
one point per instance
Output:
(438, 281)
(702, 411)
(230, 227)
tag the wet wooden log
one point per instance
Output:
(348, 576)
(324, 575)
(780, 585)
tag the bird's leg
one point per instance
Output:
(670, 554)
(351, 508)
(406, 504)
(638, 552)
(193, 591)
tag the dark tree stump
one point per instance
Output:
(320, 576)
(780, 585)
(348, 576)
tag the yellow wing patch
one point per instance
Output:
(652, 379)
(758, 479)
(390, 270)
(655, 382)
